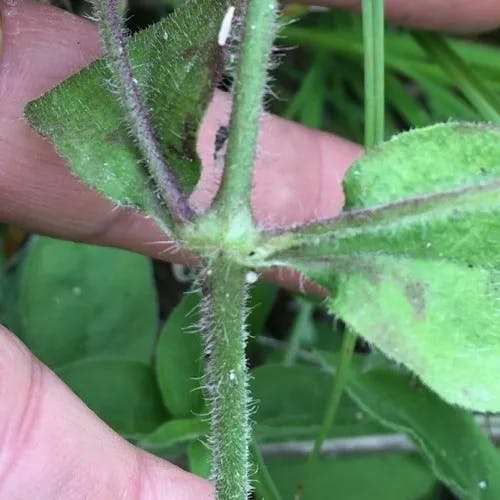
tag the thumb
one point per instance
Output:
(52, 447)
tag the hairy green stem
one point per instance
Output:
(373, 42)
(223, 323)
(110, 21)
(249, 89)
(477, 92)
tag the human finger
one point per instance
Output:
(453, 16)
(54, 448)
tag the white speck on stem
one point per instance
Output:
(251, 277)
(232, 376)
(225, 27)
(483, 485)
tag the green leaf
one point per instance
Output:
(293, 405)
(431, 160)
(388, 477)
(178, 359)
(414, 265)
(2, 250)
(176, 63)
(9, 299)
(456, 448)
(123, 393)
(173, 433)
(199, 459)
(79, 301)
(262, 298)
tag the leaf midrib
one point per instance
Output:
(477, 197)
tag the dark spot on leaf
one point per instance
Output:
(114, 136)
(119, 136)
(189, 134)
(190, 52)
(415, 293)
(173, 151)
(370, 270)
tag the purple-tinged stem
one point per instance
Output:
(112, 32)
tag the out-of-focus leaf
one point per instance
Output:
(9, 300)
(262, 298)
(79, 301)
(123, 393)
(456, 448)
(290, 404)
(173, 433)
(178, 359)
(387, 477)
(199, 459)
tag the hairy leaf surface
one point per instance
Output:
(413, 265)
(176, 63)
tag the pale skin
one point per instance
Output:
(51, 446)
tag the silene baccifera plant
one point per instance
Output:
(411, 265)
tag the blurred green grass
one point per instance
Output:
(318, 80)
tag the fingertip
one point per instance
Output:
(161, 480)
(298, 173)
(53, 446)
(40, 40)
(463, 16)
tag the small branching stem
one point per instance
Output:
(332, 406)
(112, 32)
(226, 378)
(249, 90)
(373, 43)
